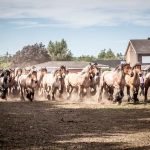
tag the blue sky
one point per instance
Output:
(88, 26)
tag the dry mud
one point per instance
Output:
(64, 124)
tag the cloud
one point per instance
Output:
(79, 13)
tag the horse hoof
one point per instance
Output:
(31, 99)
(68, 98)
(119, 102)
(22, 99)
(48, 97)
(53, 99)
(99, 100)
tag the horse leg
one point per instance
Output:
(9, 91)
(145, 94)
(122, 95)
(61, 91)
(111, 91)
(100, 93)
(142, 89)
(80, 92)
(40, 92)
(22, 90)
(69, 91)
(93, 90)
(128, 93)
(48, 92)
(119, 95)
(32, 95)
(135, 94)
(53, 93)
(45, 92)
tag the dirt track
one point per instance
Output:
(65, 125)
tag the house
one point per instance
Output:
(138, 51)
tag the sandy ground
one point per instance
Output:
(67, 125)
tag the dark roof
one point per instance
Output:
(141, 46)
(68, 64)
(110, 63)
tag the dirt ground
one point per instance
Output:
(74, 125)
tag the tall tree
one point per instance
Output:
(59, 50)
(106, 54)
(102, 54)
(31, 54)
(86, 58)
(110, 54)
(120, 56)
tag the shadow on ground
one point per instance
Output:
(39, 125)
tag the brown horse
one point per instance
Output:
(40, 75)
(81, 81)
(147, 85)
(5, 79)
(52, 82)
(111, 80)
(133, 83)
(12, 85)
(27, 83)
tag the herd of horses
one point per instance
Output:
(26, 82)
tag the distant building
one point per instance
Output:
(72, 66)
(138, 51)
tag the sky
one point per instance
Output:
(88, 26)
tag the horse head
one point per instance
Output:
(18, 71)
(6, 74)
(93, 70)
(12, 74)
(33, 77)
(127, 69)
(41, 73)
(27, 70)
(63, 70)
(6, 78)
(137, 69)
(43, 70)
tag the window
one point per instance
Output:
(145, 59)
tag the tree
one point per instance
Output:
(86, 58)
(31, 54)
(102, 54)
(110, 54)
(106, 54)
(120, 56)
(59, 50)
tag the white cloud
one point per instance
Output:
(78, 13)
